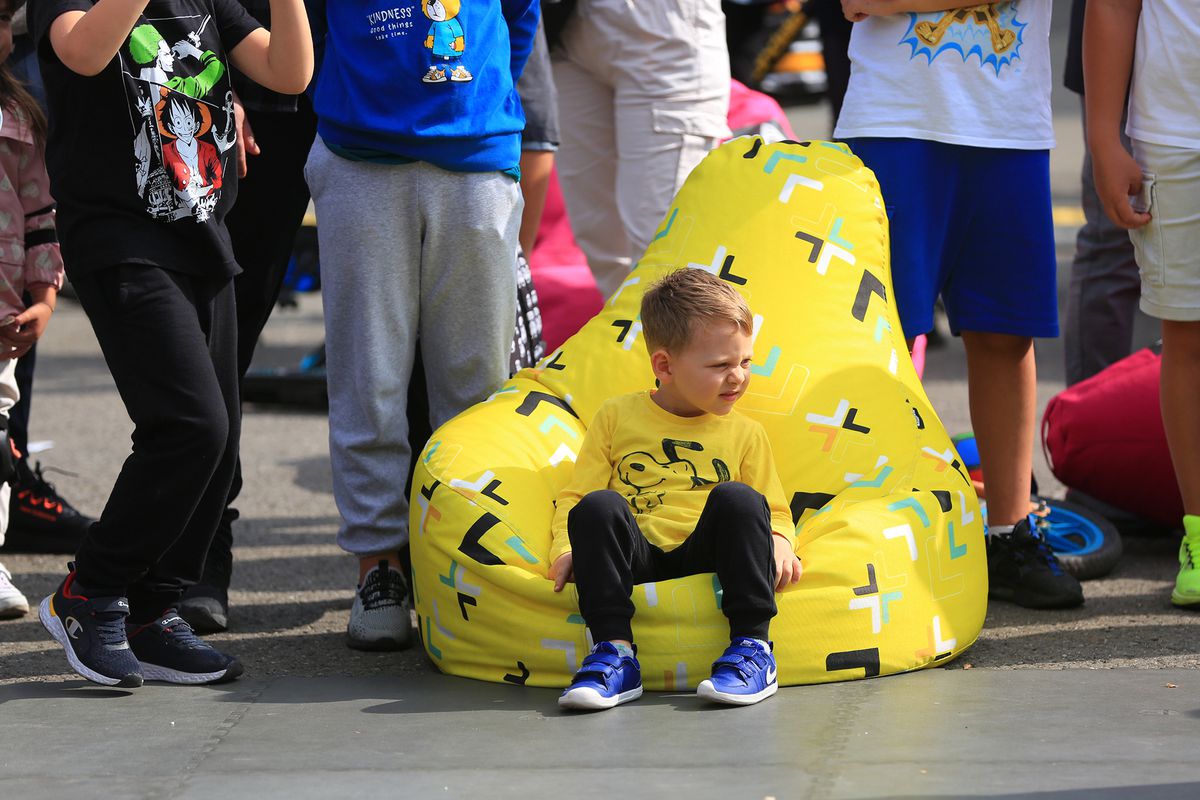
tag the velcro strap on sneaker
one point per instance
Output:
(740, 659)
(110, 605)
(603, 664)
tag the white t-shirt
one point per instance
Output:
(1164, 104)
(976, 76)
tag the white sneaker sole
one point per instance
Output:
(706, 691)
(153, 672)
(382, 642)
(585, 698)
(13, 607)
(55, 628)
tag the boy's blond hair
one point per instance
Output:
(675, 305)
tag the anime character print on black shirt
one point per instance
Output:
(181, 105)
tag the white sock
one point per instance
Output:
(1000, 530)
(623, 649)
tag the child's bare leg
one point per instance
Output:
(1002, 380)
(1180, 385)
(1002, 383)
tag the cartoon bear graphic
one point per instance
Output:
(446, 42)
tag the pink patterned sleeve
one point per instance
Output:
(43, 260)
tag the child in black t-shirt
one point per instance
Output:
(142, 162)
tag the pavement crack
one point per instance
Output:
(176, 787)
(838, 728)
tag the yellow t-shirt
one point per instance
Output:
(664, 466)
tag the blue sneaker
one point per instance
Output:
(605, 679)
(168, 650)
(743, 676)
(92, 632)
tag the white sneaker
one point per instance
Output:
(380, 619)
(12, 603)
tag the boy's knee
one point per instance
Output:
(601, 501)
(600, 509)
(997, 344)
(205, 436)
(1181, 339)
(738, 497)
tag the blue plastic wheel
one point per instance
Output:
(1087, 544)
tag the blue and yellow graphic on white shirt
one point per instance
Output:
(990, 31)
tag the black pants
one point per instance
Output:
(732, 538)
(170, 341)
(270, 207)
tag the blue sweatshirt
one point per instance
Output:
(428, 80)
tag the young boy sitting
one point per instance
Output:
(662, 489)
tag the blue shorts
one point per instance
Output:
(973, 224)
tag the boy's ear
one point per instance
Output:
(660, 362)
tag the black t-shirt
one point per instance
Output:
(141, 156)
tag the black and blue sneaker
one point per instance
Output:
(605, 679)
(1022, 569)
(168, 650)
(743, 676)
(92, 632)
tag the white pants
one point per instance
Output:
(8, 398)
(643, 94)
(1168, 247)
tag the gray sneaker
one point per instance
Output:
(12, 603)
(380, 619)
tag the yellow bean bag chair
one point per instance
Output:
(889, 530)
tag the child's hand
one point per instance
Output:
(787, 565)
(185, 48)
(858, 10)
(247, 145)
(854, 10)
(26, 328)
(562, 571)
(1118, 177)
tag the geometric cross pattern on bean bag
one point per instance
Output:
(889, 529)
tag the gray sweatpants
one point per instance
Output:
(407, 252)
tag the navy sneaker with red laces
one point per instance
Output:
(92, 632)
(168, 650)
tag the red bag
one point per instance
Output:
(1104, 436)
